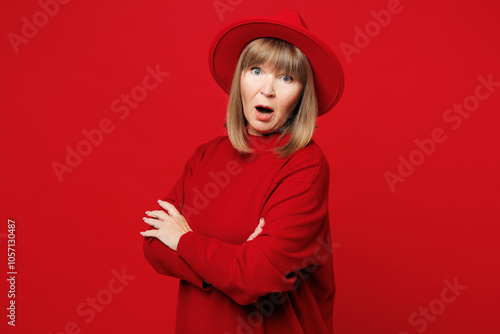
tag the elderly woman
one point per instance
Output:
(246, 227)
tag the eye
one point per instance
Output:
(286, 78)
(255, 70)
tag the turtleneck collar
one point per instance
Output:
(265, 143)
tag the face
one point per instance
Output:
(268, 98)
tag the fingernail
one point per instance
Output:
(261, 220)
(159, 201)
(144, 218)
(147, 212)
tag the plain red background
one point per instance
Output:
(393, 249)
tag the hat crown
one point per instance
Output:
(291, 17)
(289, 26)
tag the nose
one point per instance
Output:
(267, 88)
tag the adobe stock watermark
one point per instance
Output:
(211, 189)
(373, 28)
(11, 272)
(454, 118)
(32, 25)
(88, 309)
(421, 318)
(219, 180)
(223, 6)
(121, 108)
(266, 307)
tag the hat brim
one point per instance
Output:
(227, 46)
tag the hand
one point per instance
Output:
(170, 226)
(258, 229)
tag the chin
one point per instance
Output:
(258, 129)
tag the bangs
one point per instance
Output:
(281, 55)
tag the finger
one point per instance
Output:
(160, 214)
(149, 233)
(258, 230)
(255, 234)
(171, 209)
(262, 222)
(152, 221)
(260, 227)
(252, 236)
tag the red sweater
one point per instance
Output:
(280, 282)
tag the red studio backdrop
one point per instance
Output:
(104, 101)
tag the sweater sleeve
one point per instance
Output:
(163, 259)
(295, 213)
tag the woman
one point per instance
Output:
(246, 228)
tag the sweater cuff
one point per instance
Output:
(186, 250)
(186, 245)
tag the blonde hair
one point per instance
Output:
(285, 58)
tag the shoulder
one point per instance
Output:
(212, 143)
(207, 149)
(308, 164)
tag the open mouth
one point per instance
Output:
(264, 110)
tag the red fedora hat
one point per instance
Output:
(289, 26)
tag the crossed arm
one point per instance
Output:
(296, 218)
(169, 226)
